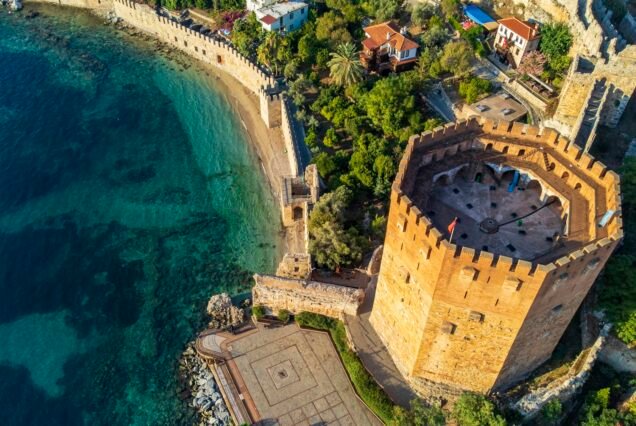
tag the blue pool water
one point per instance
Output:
(128, 195)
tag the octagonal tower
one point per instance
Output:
(536, 220)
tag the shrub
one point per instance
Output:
(258, 311)
(318, 322)
(473, 409)
(284, 315)
(472, 88)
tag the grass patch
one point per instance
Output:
(366, 387)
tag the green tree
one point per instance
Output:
(203, 4)
(390, 104)
(246, 34)
(428, 64)
(307, 47)
(275, 51)
(385, 170)
(551, 412)
(421, 13)
(330, 243)
(457, 57)
(556, 40)
(173, 4)
(325, 164)
(383, 10)
(331, 138)
(618, 295)
(419, 415)
(450, 8)
(344, 67)
(473, 409)
(472, 88)
(435, 37)
(322, 57)
(332, 29)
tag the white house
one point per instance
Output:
(279, 16)
(516, 38)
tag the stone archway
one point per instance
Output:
(297, 213)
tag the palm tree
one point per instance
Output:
(344, 67)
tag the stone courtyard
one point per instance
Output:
(295, 377)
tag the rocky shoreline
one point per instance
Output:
(204, 394)
(197, 383)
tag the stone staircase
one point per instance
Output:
(591, 115)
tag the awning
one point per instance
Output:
(477, 15)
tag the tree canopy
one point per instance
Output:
(419, 415)
(473, 409)
(457, 57)
(344, 67)
(390, 105)
(556, 40)
(330, 243)
(618, 283)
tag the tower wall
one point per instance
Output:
(475, 320)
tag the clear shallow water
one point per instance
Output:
(128, 195)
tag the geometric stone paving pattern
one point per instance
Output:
(295, 377)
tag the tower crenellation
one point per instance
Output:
(535, 221)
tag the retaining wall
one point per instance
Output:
(297, 295)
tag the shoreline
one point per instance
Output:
(267, 144)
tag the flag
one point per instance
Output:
(452, 225)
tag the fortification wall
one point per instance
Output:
(297, 295)
(210, 50)
(102, 6)
(472, 319)
(291, 142)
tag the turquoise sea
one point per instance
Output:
(128, 196)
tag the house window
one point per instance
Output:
(302, 11)
(405, 54)
(291, 16)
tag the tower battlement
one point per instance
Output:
(535, 220)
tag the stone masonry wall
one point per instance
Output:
(98, 5)
(298, 295)
(210, 50)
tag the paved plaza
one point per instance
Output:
(295, 377)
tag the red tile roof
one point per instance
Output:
(268, 19)
(525, 30)
(388, 32)
(370, 44)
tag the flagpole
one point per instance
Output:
(450, 240)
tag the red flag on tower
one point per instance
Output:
(452, 225)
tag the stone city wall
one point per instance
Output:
(565, 387)
(296, 295)
(292, 144)
(210, 50)
(101, 6)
